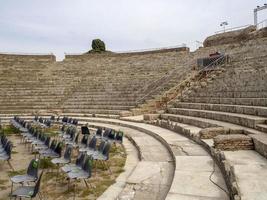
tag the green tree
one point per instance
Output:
(98, 46)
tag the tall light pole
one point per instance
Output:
(223, 24)
(256, 10)
(198, 44)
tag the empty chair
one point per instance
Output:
(70, 133)
(30, 176)
(106, 132)
(103, 156)
(50, 149)
(75, 122)
(28, 191)
(50, 153)
(4, 147)
(99, 133)
(62, 131)
(90, 148)
(36, 138)
(66, 158)
(74, 142)
(40, 141)
(45, 145)
(85, 130)
(56, 153)
(48, 123)
(78, 164)
(69, 120)
(84, 173)
(3, 142)
(33, 135)
(5, 155)
(41, 120)
(65, 119)
(84, 141)
(119, 137)
(52, 118)
(111, 135)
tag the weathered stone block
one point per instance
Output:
(233, 142)
(209, 133)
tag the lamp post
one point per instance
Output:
(198, 44)
(223, 24)
(256, 10)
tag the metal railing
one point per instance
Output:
(233, 29)
(151, 87)
(152, 49)
(172, 93)
(262, 24)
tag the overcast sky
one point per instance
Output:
(58, 26)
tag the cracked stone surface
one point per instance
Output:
(251, 172)
(194, 166)
(152, 177)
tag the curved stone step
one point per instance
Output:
(237, 101)
(131, 163)
(152, 177)
(242, 109)
(189, 178)
(246, 93)
(92, 111)
(236, 118)
(246, 169)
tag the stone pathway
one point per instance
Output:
(152, 177)
(131, 162)
(251, 171)
(193, 168)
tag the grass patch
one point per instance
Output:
(102, 185)
(45, 163)
(51, 133)
(9, 129)
(15, 173)
(3, 181)
(118, 162)
(3, 187)
(86, 192)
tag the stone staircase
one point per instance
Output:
(110, 85)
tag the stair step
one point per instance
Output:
(232, 101)
(240, 119)
(262, 127)
(242, 109)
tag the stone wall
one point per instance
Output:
(111, 54)
(26, 58)
(233, 142)
(235, 36)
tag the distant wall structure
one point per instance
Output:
(6, 57)
(114, 54)
(237, 36)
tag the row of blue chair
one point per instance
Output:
(43, 122)
(5, 150)
(69, 120)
